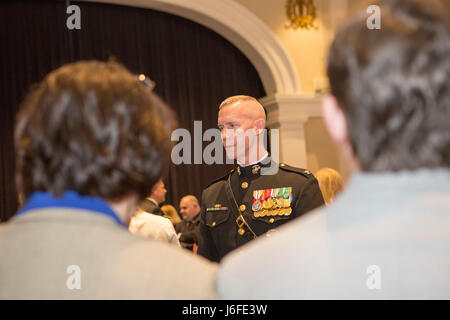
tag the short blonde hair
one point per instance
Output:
(330, 183)
(171, 213)
(233, 99)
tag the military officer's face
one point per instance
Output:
(239, 129)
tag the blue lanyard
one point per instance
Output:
(70, 199)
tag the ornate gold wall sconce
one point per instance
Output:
(301, 14)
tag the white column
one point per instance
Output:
(289, 113)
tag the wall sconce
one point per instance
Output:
(301, 14)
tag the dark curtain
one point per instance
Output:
(193, 67)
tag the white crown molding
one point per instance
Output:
(242, 28)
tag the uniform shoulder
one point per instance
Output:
(304, 172)
(224, 177)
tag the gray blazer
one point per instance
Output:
(48, 253)
(150, 207)
(387, 236)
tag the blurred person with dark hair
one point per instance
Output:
(330, 183)
(171, 213)
(387, 234)
(91, 140)
(188, 228)
(151, 204)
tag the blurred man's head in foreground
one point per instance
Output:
(94, 128)
(390, 103)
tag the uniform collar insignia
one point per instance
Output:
(255, 169)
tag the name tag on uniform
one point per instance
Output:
(217, 207)
(272, 202)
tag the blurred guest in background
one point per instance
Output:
(171, 213)
(330, 183)
(156, 197)
(149, 222)
(188, 228)
(152, 226)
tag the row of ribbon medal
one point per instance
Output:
(272, 202)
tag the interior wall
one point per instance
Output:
(308, 50)
(321, 151)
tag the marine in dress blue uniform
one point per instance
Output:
(265, 202)
(259, 201)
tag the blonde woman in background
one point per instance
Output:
(330, 183)
(171, 213)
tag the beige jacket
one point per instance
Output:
(49, 253)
